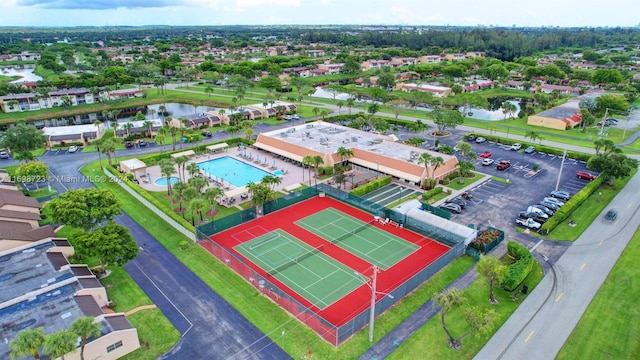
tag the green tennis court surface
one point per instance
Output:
(307, 270)
(376, 246)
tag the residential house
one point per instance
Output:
(331, 68)
(430, 59)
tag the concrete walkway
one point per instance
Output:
(140, 308)
(540, 326)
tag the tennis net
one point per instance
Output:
(352, 232)
(296, 260)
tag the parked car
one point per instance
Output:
(516, 147)
(529, 223)
(451, 207)
(561, 194)
(537, 211)
(612, 120)
(611, 215)
(295, 116)
(471, 137)
(72, 149)
(128, 144)
(142, 143)
(503, 165)
(529, 150)
(554, 200)
(585, 175)
(480, 140)
(458, 201)
(435, 148)
(545, 209)
(532, 215)
(4, 155)
(487, 161)
(550, 205)
(207, 133)
(486, 154)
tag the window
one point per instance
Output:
(110, 348)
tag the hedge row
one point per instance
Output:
(371, 186)
(127, 181)
(570, 206)
(431, 193)
(519, 270)
(539, 148)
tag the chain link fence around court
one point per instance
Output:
(334, 335)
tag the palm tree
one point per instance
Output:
(272, 181)
(167, 169)
(430, 162)
(115, 125)
(463, 168)
(148, 125)
(152, 112)
(208, 90)
(339, 104)
(198, 183)
(198, 206)
(531, 135)
(317, 161)
(193, 169)
(178, 194)
(60, 343)
(162, 110)
(109, 147)
(127, 127)
(316, 110)
(174, 132)
(98, 144)
(350, 103)
(221, 112)
(307, 161)
(464, 147)
(27, 343)
(323, 113)
(344, 154)
(181, 161)
(85, 327)
(213, 195)
(160, 139)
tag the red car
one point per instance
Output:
(503, 165)
(584, 175)
(486, 154)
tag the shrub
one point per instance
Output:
(431, 193)
(570, 206)
(520, 269)
(371, 186)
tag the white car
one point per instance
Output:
(73, 149)
(487, 161)
(529, 223)
(516, 147)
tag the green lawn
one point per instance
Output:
(157, 335)
(5, 79)
(260, 311)
(588, 211)
(610, 327)
(430, 341)
(456, 185)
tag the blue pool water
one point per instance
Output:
(233, 171)
(163, 181)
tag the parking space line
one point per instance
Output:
(559, 297)
(529, 337)
(582, 267)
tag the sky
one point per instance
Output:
(564, 13)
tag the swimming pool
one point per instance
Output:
(163, 181)
(233, 171)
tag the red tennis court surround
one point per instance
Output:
(354, 303)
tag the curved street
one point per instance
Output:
(537, 329)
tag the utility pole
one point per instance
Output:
(564, 156)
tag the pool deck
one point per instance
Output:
(293, 174)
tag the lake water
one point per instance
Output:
(491, 115)
(26, 75)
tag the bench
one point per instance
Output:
(394, 223)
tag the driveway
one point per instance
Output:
(210, 327)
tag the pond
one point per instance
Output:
(495, 111)
(25, 75)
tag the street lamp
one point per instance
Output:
(372, 308)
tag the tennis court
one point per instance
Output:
(305, 269)
(366, 241)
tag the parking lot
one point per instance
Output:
(497, 204)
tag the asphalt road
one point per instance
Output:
(542, 323)
(210, 327)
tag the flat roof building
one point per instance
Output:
(376, 152)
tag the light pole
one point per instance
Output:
(372, 308)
